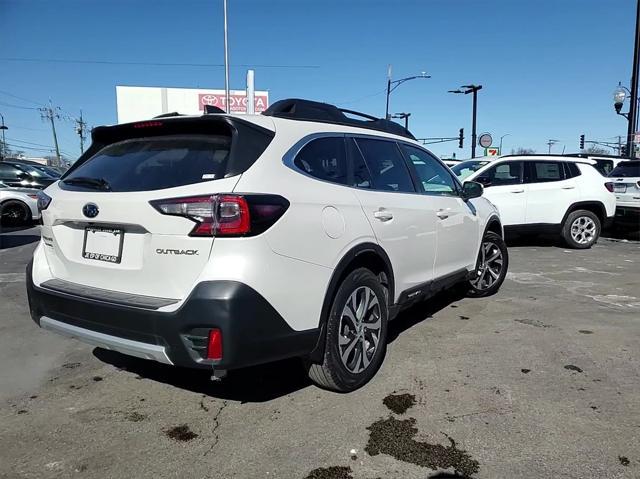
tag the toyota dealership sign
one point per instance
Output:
(136, 103)
(238, 102)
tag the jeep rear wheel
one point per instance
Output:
(581, 229)
(356, 334)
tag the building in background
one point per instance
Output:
(136, 103)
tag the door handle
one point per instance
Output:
(568, 187)
(442, 214)
(517, 191)
(383, 215)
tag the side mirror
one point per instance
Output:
(24, 176)
(471, 189)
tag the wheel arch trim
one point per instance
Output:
(339, 272)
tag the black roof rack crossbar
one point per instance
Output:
(307, 110)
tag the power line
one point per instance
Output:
(158, 64)
(16, 106)
(28, 142)
(21, 98)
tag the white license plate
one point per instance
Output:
(619, 188)
(103, 244)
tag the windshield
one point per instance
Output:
(467, 168)
(627, 169)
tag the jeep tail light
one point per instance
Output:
(226, 214)
(609, 186)
(214, 345)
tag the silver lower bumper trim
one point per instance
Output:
(106, 341)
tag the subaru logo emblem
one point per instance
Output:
(90, 210)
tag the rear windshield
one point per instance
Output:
(155, 163)
(627, 169)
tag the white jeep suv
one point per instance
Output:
(222, 241)
(546, 194)
(626, 186)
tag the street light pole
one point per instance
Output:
(507, 134)
(392, 85)
(633, 106)
(472, 89)
(227, 98)
(403, 115)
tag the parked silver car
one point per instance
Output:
(18, 205)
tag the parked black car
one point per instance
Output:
(15, 173)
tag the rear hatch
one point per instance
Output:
(107, 224)
(626, 183)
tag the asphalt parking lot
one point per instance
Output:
(540, 380)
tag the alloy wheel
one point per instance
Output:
(583, 230)
(359, 329)
(489, 266)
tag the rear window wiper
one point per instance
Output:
(99, 183)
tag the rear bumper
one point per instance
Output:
(627, 213)
(252, 330)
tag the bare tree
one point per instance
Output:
(596, 150)
(523, 151)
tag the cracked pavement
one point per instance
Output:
(490, 374)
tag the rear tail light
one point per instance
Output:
(214, 345)
(226, 214)
(609, 186)
(44, 200)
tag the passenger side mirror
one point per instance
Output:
(24, 176)
(471, 189)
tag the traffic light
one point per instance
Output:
(623, 150)
(582, 142)
(461, 138)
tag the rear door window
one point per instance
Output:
(544, 171)
(387, 166)
(155, 163)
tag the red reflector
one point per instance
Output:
(147, 124)
(609, 186)
(214, 347)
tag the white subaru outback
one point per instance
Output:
(222, 241)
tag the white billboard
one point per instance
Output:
(136, 103)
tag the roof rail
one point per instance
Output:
(307, 110)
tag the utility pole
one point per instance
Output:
(227, 98)
(81, 129)
(50, 113)
(633, 106)
(3, 151)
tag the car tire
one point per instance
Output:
(581, 229)
(491, 266)
(356, 337)
(14, 213)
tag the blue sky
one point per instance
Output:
(548, 67)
